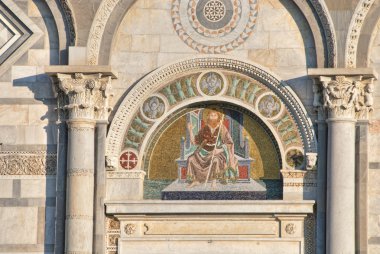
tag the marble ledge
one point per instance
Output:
(210, 207)
(106, 70)
(365, 72)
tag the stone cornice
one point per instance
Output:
(105, 70)
(208, 207)
(343, 93)
(83, 93)
(331, 72)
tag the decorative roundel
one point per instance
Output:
(153, 107)
(269, 106)
(214, 26)
(128, 159)
(294, 158)
(211, 83)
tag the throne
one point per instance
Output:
(233, 121)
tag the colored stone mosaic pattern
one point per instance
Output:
(294, 158)
(128, 159)
(211, 83)
(214, 26)
(214, 18)
(153, 107)
(269, 106)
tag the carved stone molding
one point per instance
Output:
(311, 160)
(328, 29)
(290, 228)
(66, 6)
(112, 234)
(97, 29)
(126, 174)
(27, 163)
(79, 217)
(80, 172)
(293, 173)
(130, 229)
(354, 31)
(299, 185)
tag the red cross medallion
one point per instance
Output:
(128, 160)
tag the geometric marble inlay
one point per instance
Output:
(17, 33)
(6, 33)
(214, 26)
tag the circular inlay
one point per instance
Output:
(211, 83)
(153, 108)
(294, 158)
(128, 160)
(214, 10)
(214, 26)
(269, 106)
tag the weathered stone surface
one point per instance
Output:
(20, 225)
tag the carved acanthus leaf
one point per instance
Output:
(84, 96)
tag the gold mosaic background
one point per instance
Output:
(163, 166)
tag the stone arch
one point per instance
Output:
(298, 131)
(111, 12)
(366, 36)
(354, 31)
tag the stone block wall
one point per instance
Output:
(374, 155)
(28, 134)
(282, 43)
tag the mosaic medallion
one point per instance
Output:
(294, 158)
(269, 106)
(128, 160)
(153, 108)
(214, 26)
(211, 83)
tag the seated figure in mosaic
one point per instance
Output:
(214, 154)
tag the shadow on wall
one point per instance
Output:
(29, 74)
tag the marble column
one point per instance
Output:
(321, 180)
(101, 115)
(343, 98)
(83, 99)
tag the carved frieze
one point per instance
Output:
(112, 234)
(22, 163)
(84, 96)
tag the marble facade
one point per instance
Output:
(95, 101)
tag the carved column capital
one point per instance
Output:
(347, 95)
(83, 92)
(87, 95)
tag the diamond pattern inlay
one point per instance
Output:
(17, 33)
(5, 34)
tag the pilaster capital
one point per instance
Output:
(82, 92)
(343, 93)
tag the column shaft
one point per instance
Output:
(340, 231)
(80, 187)
(321, 189)
(100, 190)
(61, 188)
